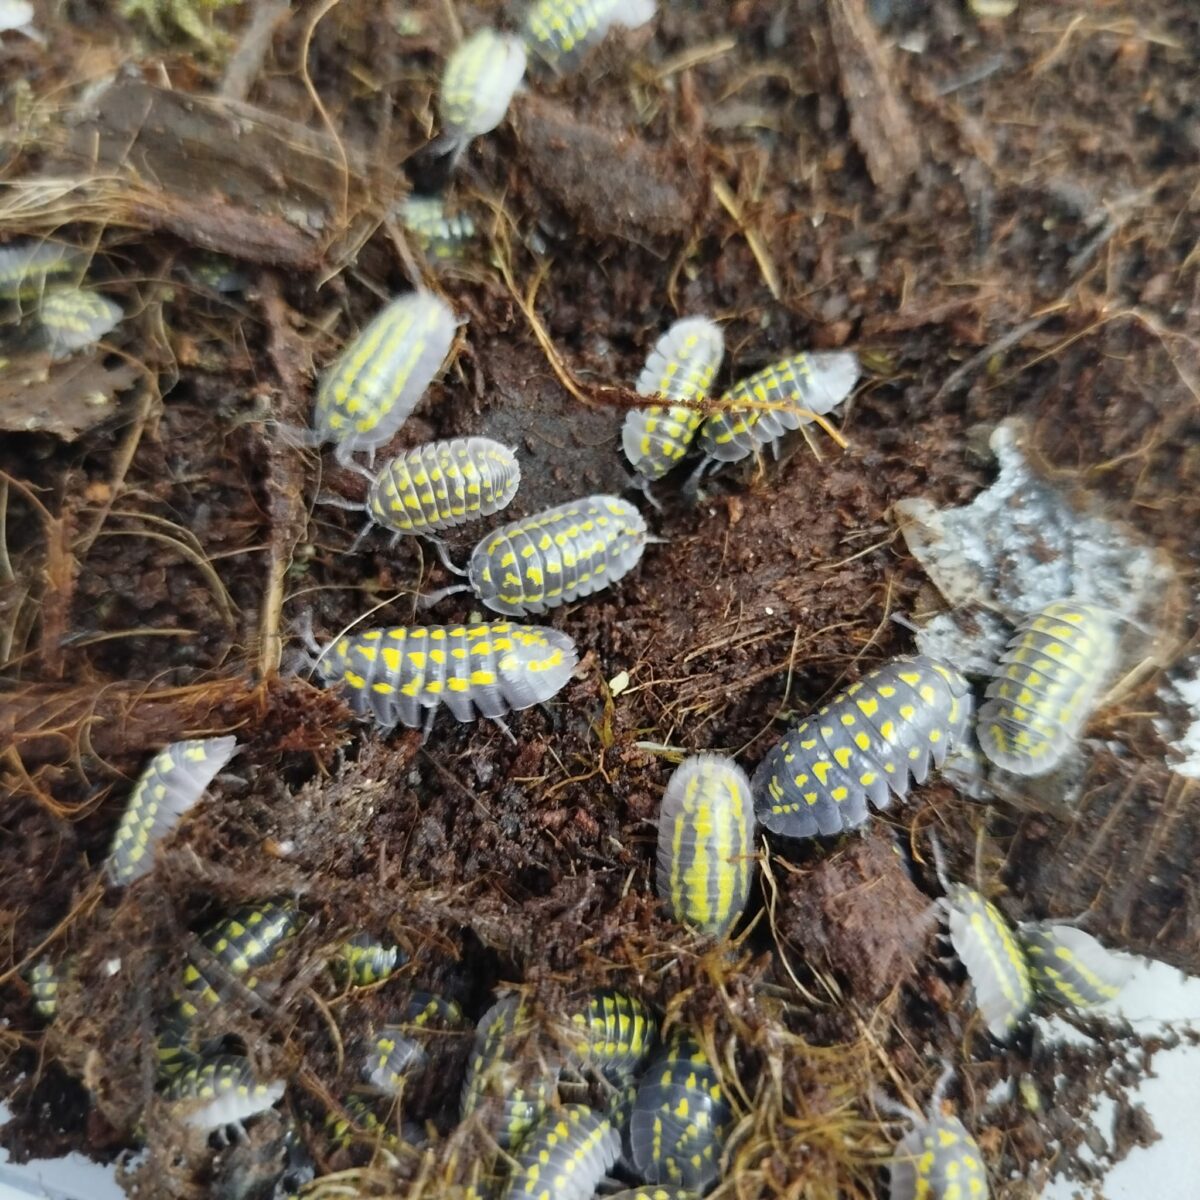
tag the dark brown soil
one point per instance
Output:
(150, 564)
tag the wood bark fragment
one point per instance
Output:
(879, 118)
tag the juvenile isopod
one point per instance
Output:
(565, 1156)
(219, 1091)
(27, 269)
(73, 319)
(680, 1118)
(706, 843)
(561, 31)
(478, 83)
(232, 952)
(364, 959)
(680, 367)
(1046, 686)
(560, 555)
(614, 1033)
(400, 1050)
(515, 1090)
(44, 979)
(439, 234)
(175, 779)
(440, 485)
(1070, 968)
(367, 393)
(937, 1159)
(759, 410)
(399, 675)
(864, 744)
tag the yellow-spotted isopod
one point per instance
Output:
(443, 484)
(400, 675)
(27, 269)
(1070, 968)
(864, 744)
(563, 554)
(565, 1156)
(759, 410)
(680, 367)
(613, 1032)
(706, 843)
(73, 319)
(937, 1159)
(561, 31)
(223, 1090)
(680, 1118)
(367, 393)
(1045, 687)
(511, 1088)
(440, 235)
(175, 779)
(478, 83)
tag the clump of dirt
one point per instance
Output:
(1035, 259)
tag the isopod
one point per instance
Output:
(1045, 687)
(563, 554)
(680, 1118)
(680, 367)
(440, 235)
(937, 1159)
(614, 1033)
(73, 319)
(759, 410)
(367, 393)
(706, 843)
(561, 31)
(478, 83)
(564, 1156)
(364, 960)
(864, 744)
(399, 674)
(1069, 967)
(219, 1091)
(175, 779)
(27, 269)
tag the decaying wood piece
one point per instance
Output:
(879, 118)
(218, 173)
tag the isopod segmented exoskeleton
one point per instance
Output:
(368, 392)
(557, 556)
(706, 843)
(175, 779)
(864, 744)
(759, 410)
(561, 31)
(680, 367)
(1045, 686)
(564, 1156)
(223, 1090)
(399, 675)
(478, 83)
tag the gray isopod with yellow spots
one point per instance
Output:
(937, 1159)
(440, 234)
(27, 269)
(680, 367)
(368, 392)
(759, 410)
(560, 555)
(44, 980)
(995, 962)
(613, 1032)
(233, 950)
(865, 743)
(478, 83)
(680, 1118)
(219, 1091)
(1045, 686)
(443, 484)
(706, 843)
(1069, 967)
(513, 1088)
(565, 1156)
(561, 31)
(75, 318)
(401, 1050)
(175, 779)
(364, 959)
(397, 675)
